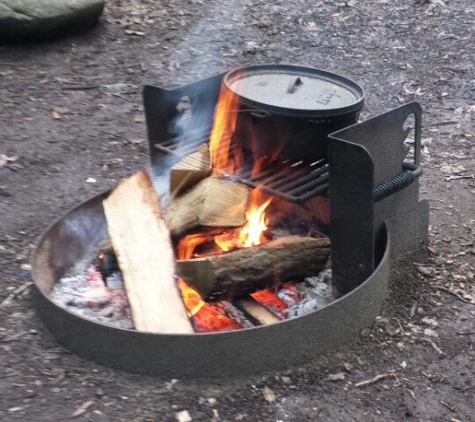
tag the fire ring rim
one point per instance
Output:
(213, 355)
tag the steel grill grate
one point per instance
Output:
(294, 181)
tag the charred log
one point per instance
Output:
(247, 270)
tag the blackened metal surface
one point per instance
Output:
(362, 157)
(167, 121)
(297, 91)
(259, 128)
(352, 214)
(295, 182)
(249, 351)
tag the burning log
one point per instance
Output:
(214, 202)
(142, 244)
(247, 270)
(189, 171)
(259, 314)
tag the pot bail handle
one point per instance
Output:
(294, 83)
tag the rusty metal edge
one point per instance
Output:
(215, 355)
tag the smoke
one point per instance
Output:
(200, 54)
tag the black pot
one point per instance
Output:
(288, 111)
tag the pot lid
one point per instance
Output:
(299, 90)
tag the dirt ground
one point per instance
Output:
(71, 110)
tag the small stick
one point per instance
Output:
(465, 333)
(374, 380)
(16, 293)
(436, 348)
(400, 326)
(448, 406)
(167, 150)
(79, 87)
(445, 289)
(460, 177)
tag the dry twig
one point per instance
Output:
(436, 348)
(15, 293)
(448, 406)
(445, 289)
(79, 87)
(374, 380)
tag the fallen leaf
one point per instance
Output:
(15, 166)
(130, 32)
(116, 162)
(118, 86)
(183, 416)
(5, 159)
(425, 270)
(430, 333)
(62, 110)
(430, 322)
(340, 376)
(82, 409)
(452, 169)
(268, 394)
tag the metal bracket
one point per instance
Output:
(368, 177)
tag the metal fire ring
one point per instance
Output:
(236, 353)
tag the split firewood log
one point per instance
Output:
(141, 241)
(214, 202)
(246, 270)
(189, 171)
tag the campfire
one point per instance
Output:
(233, 270)
(252, 173)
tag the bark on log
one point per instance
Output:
(247, 270)
(142, 244)
(214, 202)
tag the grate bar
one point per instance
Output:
(295, 182)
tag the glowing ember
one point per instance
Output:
(205, 318)
(270, 301)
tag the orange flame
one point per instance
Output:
(185, 249)
(225, 117)
(252, 234)
(224, 160)
(227, 240)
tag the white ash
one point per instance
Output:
(83, 292)
(86, 295)
(312, 294)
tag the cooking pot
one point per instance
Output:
(288, 111)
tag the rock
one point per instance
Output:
(40, 19)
